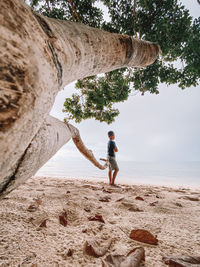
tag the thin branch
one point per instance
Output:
(47, 2)
(83, 149)
(134, 18)
(74, 10)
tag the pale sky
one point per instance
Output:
(164, 127)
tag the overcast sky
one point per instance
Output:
(164, 127)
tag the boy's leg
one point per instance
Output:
(114, 176)
(116, 169)
(110, 176)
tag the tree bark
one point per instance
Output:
(52, 135)
(38, 57)
(83, 149)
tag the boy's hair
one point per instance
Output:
(110, 133)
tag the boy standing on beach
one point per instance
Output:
(112, 149)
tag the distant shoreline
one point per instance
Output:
(163, 174)
(119, 181)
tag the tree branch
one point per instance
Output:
(52, 135)
(83, 149)
(134, 17)
(74, 11)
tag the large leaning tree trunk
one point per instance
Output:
(38, 57)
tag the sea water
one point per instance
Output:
(185, 174)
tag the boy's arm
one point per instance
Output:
(115, 148)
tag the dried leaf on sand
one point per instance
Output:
(143, 236)
(139, 198)
(182, 261)
(132, 259)
(63, 218)
(92, 248)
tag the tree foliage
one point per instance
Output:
(165, 22)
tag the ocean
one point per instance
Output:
(186, 174)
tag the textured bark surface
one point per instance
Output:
(83, 149)
(38, 57)
(53, 134)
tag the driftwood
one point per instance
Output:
(182, 261)
(133, 259)
(92, 248)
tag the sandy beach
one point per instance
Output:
(47, 222)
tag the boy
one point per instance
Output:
(112, 148)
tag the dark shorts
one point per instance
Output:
(113, 163)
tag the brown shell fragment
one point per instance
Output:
(143, 236)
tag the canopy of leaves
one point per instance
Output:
(165, 22)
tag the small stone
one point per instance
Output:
(63, 219)
(43, 224)
(70, 252)
(32, 208)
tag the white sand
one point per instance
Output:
(175, 219)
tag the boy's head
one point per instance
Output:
(111, 135)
